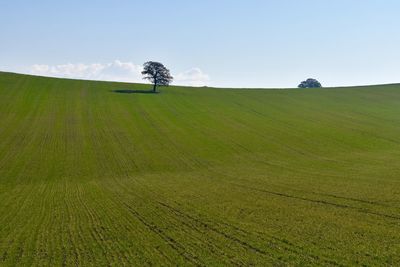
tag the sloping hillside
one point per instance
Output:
(197, 176)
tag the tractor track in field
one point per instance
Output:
(323, 202)
(152, 226)
(370, 202)
(213, 229)
(204, 227)
(168, 239)
(289, 247)
(362, 201)
(176, 221)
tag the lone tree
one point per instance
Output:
(310, 83)
(157, 74)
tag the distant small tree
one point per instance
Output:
(157, 74)
(310, 83)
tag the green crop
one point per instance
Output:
(197, 176)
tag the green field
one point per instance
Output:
(197, 176)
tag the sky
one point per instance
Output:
(223, 43)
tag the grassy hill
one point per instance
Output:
(197, 176)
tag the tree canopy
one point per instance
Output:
(310, 83)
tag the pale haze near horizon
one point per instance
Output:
(215, 43)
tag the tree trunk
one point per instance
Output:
(155, 82)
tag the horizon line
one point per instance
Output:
(210, 87)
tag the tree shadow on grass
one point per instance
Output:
(127, 91)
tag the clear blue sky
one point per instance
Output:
(250, 43)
